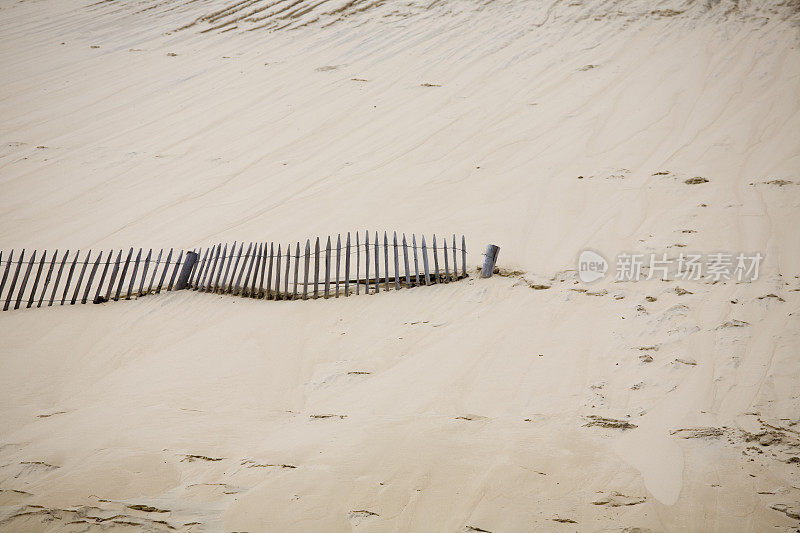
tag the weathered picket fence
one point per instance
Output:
(263, 270)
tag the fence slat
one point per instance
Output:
(435, 260)
(446, 267)
(347, 266)
(58, 278)
(102, 278)
(305, 276)
(176, 269)
(416, 261)
(204, 279)
(245, 289)
(338, 260)
(358, 264)
(396, 262)
(455, 263)
(425, 262)
(405, 261)
(14, 281)
(225, 285)
(220, 285)
(386, 260)
(366, 264)
(69, 277)
(164, 272)
(36, 281)
(210, 284)
(377, 263)
(25, 280)
(114, 271)
(122, 277)
(91, 278)
(296, 268)
(328, 268)
(144, 271)
(5, 272)
(261, 293)
(80, 279)
(286, 274)
(47, 279)
(238, 284)
(133, 274)
(269, 270)
(257, 269)
(214, 287)
(316, 269)
(197, 274)
(463, 257)
(278, 274)
(155, 270)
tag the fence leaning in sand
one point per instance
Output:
(263, 270)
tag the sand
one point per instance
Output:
(525, 402)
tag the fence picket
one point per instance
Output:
(446, 267)
(69, 277)
(47, 279)
(122, 277)
(250, 263)
(278, 274)
(396, 264)
(305, 276)
(210, 285)
(416, 261)
(155, 270)
(286, 274)
(328, 268)
(405, 261)
(220, 281)
(269, 271)
(144, 271)
(316, 269)
(366, 267)
(133, 274)
(80, 279)
(175, 270)
(91, 278)
(14, 281)
(221, 286)
(25, 280)
(455, 263)
(36, 280)
(261, 293)
(358, 263)
(238, 283)
(102, 277)
(425, 262)
(463, 257)
(338, 260)
(386, 260)
(377, 263)
(296, 268)
(113, 278)
(253, 293)
(214, 252)
(347, 266)
(435, 260)
(225, 284)
(164, 272)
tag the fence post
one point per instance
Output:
(377, 263)
(463, 257)
(489, 260)
(416, 261)
(366, 267)
(186, 270)
(446, 264)
(396, 265)
(386, 260)
(286, 273)
(316, 269)
(435, 261)
(455, 262)
(405, 260)
(338, 260)
(268, 295)
(425, 262)
(296, 268)
(278, 274)
(358, 263)
(305, 273)
(328, 267)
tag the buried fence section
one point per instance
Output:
(224, 268)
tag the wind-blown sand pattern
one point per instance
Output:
(525, 402)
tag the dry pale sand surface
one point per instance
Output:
(525, 402)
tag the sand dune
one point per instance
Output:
(528, 401)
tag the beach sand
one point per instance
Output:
(529, 401)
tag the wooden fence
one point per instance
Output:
(262, 270)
